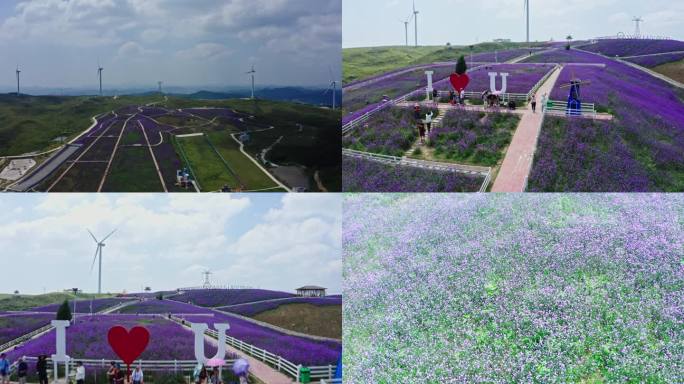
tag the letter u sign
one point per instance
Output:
(492, 82)
(198, 330)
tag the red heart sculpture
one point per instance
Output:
(128, 345)
(459, 82)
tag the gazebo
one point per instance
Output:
(311, 291)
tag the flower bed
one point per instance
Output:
(162, 307)
(361, 175)
(83, 306)
(645, 138)
(656, 60)
(513, 288)
(87, 339)
(298, 350)
(256, 308)
(13, 326)
(223, 297)
(392, 87)
(633, 47)
(391, 132)
(473, 137)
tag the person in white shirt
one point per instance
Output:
(137, 376)
(80, 373)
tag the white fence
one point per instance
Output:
(278, 362)
(554, 107)
(346, 128)
(25, 337)
(430, 165)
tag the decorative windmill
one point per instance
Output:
(575, 97)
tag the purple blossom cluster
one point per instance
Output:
(645, 138)
(15, 325)
(88, 339)
(521, 79)
(656, 60)
(391, 132)
(256, 308)
(223, 297)
(361, 175)
(633, 47)
(473, 137)
(298, 350)
(162, 307)
(573, 288)
(392, 87)
(84, 306)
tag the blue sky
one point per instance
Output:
(378, 22)
(272, 241)
(57, 43)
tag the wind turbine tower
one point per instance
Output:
(252, 72)
(415, 20)
(406, 24)
(98, 255)
(637, 30)
(99, 73)
(333, 87)
(527, 16)
(18, 72)
(160, 86)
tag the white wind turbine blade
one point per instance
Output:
(94, 258)
(110, 233)
(93, 236)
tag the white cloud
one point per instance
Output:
(132, 49)
(204, 51)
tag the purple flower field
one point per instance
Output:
(521, 77)
(392, 87)
(298, 350)
(13, 326)
(391, 132)
(473, 137)
(88, 339)
(645, 138)
(501, 56)
(360, 175)
(633, 47)
(656, 60)
(83, 306)
(253, 309)
(162, 307)
(571, 288)
(223, 297)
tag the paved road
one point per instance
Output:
(518, 161)
(45, 169)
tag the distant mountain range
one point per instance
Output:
(306, 95)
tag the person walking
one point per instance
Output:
(428, 121)
(137, 377)
(80, 373)
(435, 95)
(534, 103)
(41, 368)
(452, 96)
(416, 112)
(22, 370)
(461, 97)
(119, 376)
(111, 373)
(4, 369)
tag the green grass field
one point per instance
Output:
(360, 63)
(251, 176)
(133, 171)
(32, 123)
(209, 169)
(22, 302)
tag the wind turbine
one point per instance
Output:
(18, 72)
(98, 252)
(160, 86)
(527, 12)
(333, 86)
(252, 72)
(406, 24)
(415, 20)
(637, 30)
(99, 73)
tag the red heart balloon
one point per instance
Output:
(128, 345)
(459, 82)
